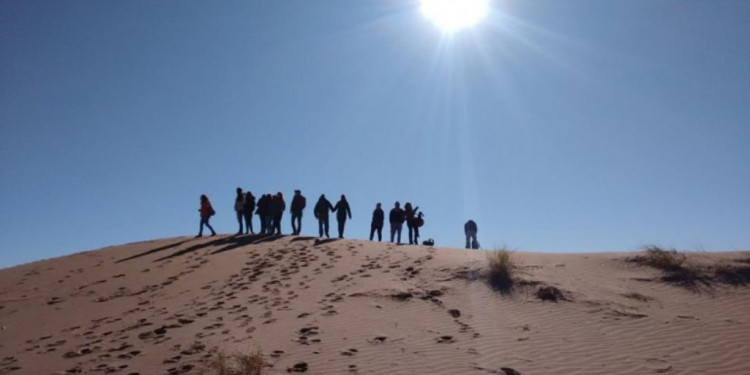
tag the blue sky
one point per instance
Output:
(557, 126)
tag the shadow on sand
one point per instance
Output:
(156, 250)
(226, 243)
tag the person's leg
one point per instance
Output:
(213, 233)
(320, 227)
(372, 231)
(341, 228)
(294, 226)
(269, 224)
(468, 240)
(411, 230)
(393, 231)
(327, 227)
(399, 227)
(380, 233)
(239, 221)
(299, 223)
(416, 235)
(200, 230)
(249, 223)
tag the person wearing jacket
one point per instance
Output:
(378, 217)
(261, 208)
(247, 212)
(342, 211)
(411, 223)
(239, 204)
(278, 206)
(205, 212)
(298, 205)
(470, 230)
(321, 213)
(396, 217)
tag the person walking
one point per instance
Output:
(396, 217)
(321, 210)
(206, 211)
(298, 205)
(411, 223)
(278, 211)
(239, 205)
(470, 230)
(378, 217)
(247, 212)
(342, 211)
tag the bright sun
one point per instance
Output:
(452, 15)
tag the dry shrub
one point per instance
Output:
(252, 363)
(502, 267)
(676, 269)
(656, 257)
(732, 275)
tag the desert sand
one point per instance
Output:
(358, 307)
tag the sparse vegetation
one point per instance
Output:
(252, 363)
(656, 257)
(678, 270)
(502, 267)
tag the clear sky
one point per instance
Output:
(558, 126)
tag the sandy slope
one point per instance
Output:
(345, 306)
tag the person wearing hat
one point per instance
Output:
(298, 205)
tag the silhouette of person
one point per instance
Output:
(470, 230)
(239, 205)
(298, 205)
(321, 213)
(396, 217)
(411, 223)
(262, 211)
(378, 217)
(247, 212)
(206, 211)
(342, 211)
(277, 207)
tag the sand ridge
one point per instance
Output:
(357, 307)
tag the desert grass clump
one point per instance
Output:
(252, 363)
(501, 269)
(656, 257)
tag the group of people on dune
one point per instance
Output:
(270, 210)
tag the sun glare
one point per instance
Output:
(452, 15)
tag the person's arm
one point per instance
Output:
(349, 211)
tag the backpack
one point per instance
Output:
(212, 212)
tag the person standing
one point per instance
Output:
(470, 230)
(298, 205)
(278, 211)
(396, 217)
(239, 205)
(260, 210)
(321, 210)
(342, 211)
(411, 223)
(378, 217)
(206, 211)
(247, 211)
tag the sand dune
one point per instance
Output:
(167, 306)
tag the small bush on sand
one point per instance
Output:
(732, 275)
(253, 363)
(656, 257)
(502, 267)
